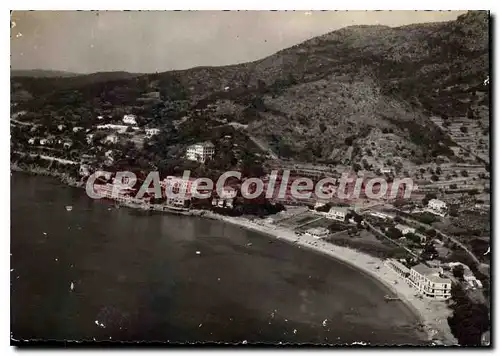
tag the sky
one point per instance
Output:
(151, 41)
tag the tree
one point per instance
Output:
(464, 173)
(469, 320)
(463, 128)
(431, 233)
(366, 165)
(453, 186)
(393, 233)
(458, 272)
(453, 210)
(358, 219)
(413, 237)
(428, 197)
(435, 178)
(473, 192)
(98, 136)
(429, 252)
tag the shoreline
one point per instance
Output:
(432, 315)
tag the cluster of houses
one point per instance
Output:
(177, 192)
(129, 123)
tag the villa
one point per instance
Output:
(152, 132)
(405, 229)
(428, 281)
(129, 119)
(337, 213)
(201, 152)
(318, 232)
(111, 139)
(437, 206)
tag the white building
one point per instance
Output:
(201, 152)
(45, 141)
(318, 232)
(31, 141)
(426, 280)
(117, 128)
(152, 132)
(337, 213)
(429, 282)
(129, 119)
(111, 139)
(380, 215)
(77, 128)
(89, 138)
(437, 205)
(405, 229)
(61, 127)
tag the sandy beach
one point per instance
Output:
(433, 314)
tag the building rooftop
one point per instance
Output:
(436, 201)
(206, 144)
(317, 230)
(425, 270)
(399, 265)
(342, 209)
(402, 227)
(437, 279)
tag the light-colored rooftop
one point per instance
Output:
(204, 144)
(341, 209)
(436, 201)
(402, 227)
(425, 270)
(437, 279)
(317, 230)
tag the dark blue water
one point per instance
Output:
(139, 277)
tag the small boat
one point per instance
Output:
(69, 207)
(389, 298)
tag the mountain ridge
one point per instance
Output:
(309, 100)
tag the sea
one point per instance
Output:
(99, 272)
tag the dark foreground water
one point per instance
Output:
(138, 277)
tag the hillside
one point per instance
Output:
(368, 91)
